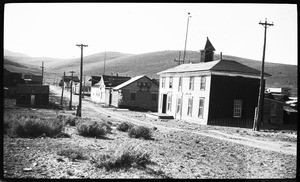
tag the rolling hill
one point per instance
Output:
(150, 64)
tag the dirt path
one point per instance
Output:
(277, 146)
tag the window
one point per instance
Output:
(237, 108)
(153, 98)
(171, 82)
(191, 86)
(202, 83)
(273, 109)
(190, 106)
(169, 102)
(178, 105)
(23, 97)
(201, 108)
(180, 84)
(163, 81)
(132, 96)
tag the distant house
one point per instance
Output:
(86, 88)
(32, 94)
(273, 111)
(280, 91)
(139, 92)
(212, 92)
(10, 82)
(66, 81)
(101, 91)
(33, 79)
(290, 116)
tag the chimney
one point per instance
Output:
(221, 56)
(117, 74)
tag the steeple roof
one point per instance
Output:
(209, 46)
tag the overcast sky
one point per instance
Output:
(54, 29)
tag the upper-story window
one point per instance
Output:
(191, 85)
(170, 82)
(202, 82)
(180, 84)
(163, 82)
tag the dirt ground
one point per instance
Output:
(179, 149)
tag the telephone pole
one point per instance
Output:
(70, 104)
(187, 29)
(104, 62)
(179, 61)
(62, 90)
(78, 113)
(42, 72)
(259, 114)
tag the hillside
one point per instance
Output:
(151, 63)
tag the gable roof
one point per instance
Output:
(131, 81)
(32, 89)
(220, 66)
(112, 81)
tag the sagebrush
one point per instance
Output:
(33, 127)
(123, 158)
(124, 126)
(72, 153)
(140, 132)
(92, 128)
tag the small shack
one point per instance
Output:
(140, 93)
(32, 94)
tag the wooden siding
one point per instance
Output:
(223, 92)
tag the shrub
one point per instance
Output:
(72, 153)
(68, 120)
(124, 158)
(140, 132)
(34, 127)
(125, 126)
(93, 128)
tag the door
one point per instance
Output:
(32, 100)
(164, 103)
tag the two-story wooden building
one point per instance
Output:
(219, 92)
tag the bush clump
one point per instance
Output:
(72, 153)
(124, 126)
(34, 127)
(93, 128)
(140, 132)
(124, 158)
(68, 120)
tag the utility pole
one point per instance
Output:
(62, 90)
(104, 62)
(42, 72)
(70, 104)
(259, 112)
(179, 61)
(78, 113)
(187, 29)
(83, 86)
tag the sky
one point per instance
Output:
(54, 29)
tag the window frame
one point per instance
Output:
(153, 96)
(163, 82)
(132, 96)
(201, 108)
(170, 82)
(179, 84)
(191, 83)
(202, 82)
(169, 103)
(190, 107)
(237, 108)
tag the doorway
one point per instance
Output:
(164, 103)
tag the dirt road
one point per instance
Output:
(264, 143)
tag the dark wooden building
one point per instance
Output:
(32, 94)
